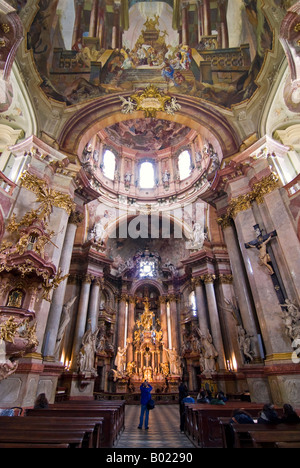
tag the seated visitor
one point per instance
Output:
(41, 402)
(289, 415)
(240, 416)
(203, 397)
(188, 399)
(218, 400)
(269, 415)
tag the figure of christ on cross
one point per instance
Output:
(261, 243)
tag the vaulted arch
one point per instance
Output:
(103, 112)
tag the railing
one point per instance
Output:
(293, 187)
(6, 185)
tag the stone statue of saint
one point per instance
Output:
(209, 353)
(65, 319)
(174, 361)
(120, 360)
(87, 353)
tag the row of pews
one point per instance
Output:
(208, 426)
(71, 424)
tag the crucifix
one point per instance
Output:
(260, 243)
(265, 260)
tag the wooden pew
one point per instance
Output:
(119, 404)
(243, 437)
(37, 437)
(30, 446)
(269, 439)
(87, 426)
(287, 445)
(106, 414)
(202, 421)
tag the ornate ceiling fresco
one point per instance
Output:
(216, 60)
(82, 53)
(147, 134)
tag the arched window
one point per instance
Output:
(184, 164)
(193, 303)
(109, 164)
(147, 176)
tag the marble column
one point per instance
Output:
(116, 28)
(214, 318)
(94, 303)
(174, 321)
(263, 292)
(201, 304)
(59, 294)
(94, 19)
(164, 325)
(81, 322)
(77, 32)
(223, 23)
(101, 33)
(206, 18)
(200, 19)
(228, 323)
(121, 321)
(241, 286)
(185, 24)
(131, 323)
(276, 216)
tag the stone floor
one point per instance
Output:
(164, 431)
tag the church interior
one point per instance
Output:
(149, 202)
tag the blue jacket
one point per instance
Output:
(188, 399)
(145, 394)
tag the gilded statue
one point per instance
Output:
(8, 330)
(147, 317)
(165, 369)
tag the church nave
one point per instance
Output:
(164, 431)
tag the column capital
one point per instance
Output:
(132, 299)
(123, 297)
(244, 202)
(225, 279)
(162, 299)
(87, 278)
(208, 278)
(76, 218)
(225, 221)
(98, 281)
(173, 297)
(197, 281)
(264, 186)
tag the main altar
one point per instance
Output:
(152, 360)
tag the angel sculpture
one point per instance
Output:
(291, 318)
(172, 106)
(128, 106)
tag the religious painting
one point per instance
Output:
(85, 50)
(147, 134)
(15, 299)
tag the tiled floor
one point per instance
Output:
(164, 429)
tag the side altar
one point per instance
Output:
(152, 361)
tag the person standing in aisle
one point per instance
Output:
(145, 398)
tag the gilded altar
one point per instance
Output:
(145, 356)
(148, 351)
